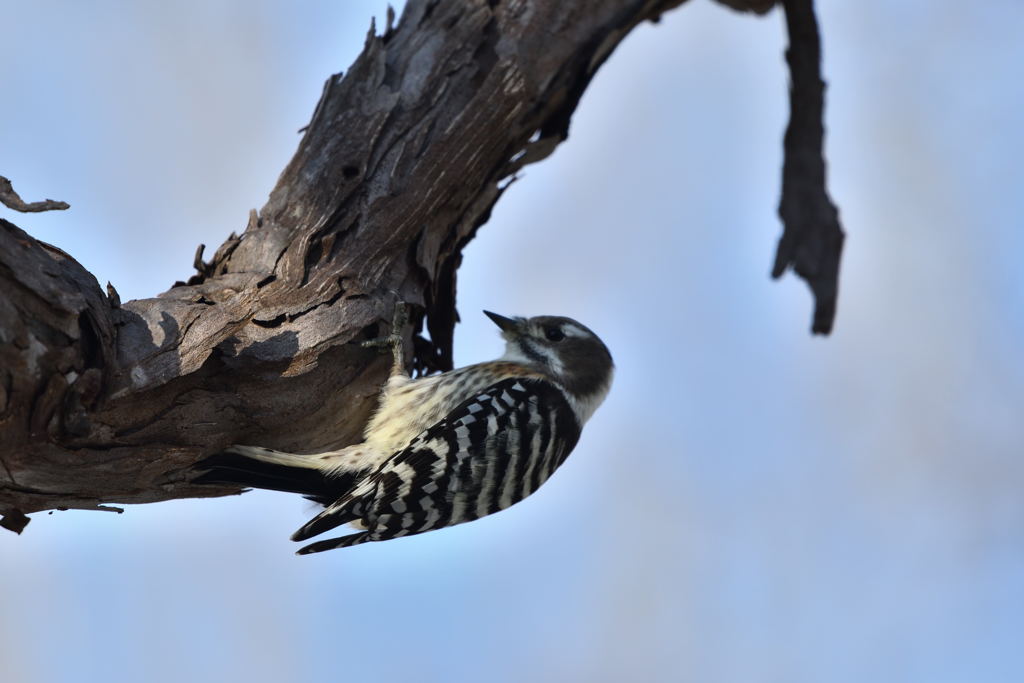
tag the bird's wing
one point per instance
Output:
(489, 452)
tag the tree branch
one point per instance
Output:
(11, 199)
(402, 161)
(812, 238)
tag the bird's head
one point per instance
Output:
(565, 350)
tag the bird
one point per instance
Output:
(443, 449)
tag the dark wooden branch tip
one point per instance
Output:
(12, 200)
(197, 261)
(14, 520)
(812, 238)
(113, 296)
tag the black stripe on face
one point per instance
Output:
(531, 353)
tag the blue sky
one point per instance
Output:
(751, 503)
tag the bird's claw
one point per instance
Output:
(394, 341)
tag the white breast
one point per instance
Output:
(408, 406)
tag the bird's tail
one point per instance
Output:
(263, 468)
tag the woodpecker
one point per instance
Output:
(444, 449)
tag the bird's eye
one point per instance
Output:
(554, 334)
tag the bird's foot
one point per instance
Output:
(394, 341)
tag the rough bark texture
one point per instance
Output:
(402, 161)
(10, 199)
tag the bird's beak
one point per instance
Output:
(505, 324)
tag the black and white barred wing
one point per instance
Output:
(489, 453)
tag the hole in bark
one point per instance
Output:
(370, 332)
(5, 391)
(265, 281)
(274, 322)
(89, 342)
(485, 56)
(350, 172)
(428, 11)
